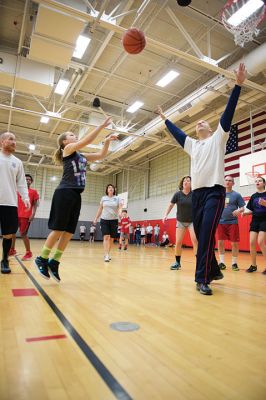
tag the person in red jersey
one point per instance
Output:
(124, 231)
(25, 217)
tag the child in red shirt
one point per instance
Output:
(124, 231)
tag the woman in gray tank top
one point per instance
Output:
(183, 201)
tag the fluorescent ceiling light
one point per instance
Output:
(169, 77)
(32, 147)
(81, 46)
(44, 119)
(135, 106)
(61, 86)
(245, 11)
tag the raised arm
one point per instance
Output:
(101, 154)
(87, 139)
(227, 117)
(178, 134)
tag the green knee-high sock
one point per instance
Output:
(57, 255)
(45, 252)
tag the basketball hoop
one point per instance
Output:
(247, 29)
(251, 176)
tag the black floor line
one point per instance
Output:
(118, 391)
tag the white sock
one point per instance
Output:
(234, 260)
(221, 258)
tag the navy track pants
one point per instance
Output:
(207, 208)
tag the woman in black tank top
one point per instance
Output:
(66, 202)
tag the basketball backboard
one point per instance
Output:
(254, 163)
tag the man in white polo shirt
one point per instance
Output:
(207, 173)
(13, 181)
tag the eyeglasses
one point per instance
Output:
(228, 180)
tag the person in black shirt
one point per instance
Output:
(183, 201)
(257, 206)
(66, 202)
(138, 235)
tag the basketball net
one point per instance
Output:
(251, 176)
(247, 29)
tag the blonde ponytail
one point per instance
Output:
(58, 154)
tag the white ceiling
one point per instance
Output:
(41, 36)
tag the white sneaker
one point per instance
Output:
(106, 258)
(109, 258)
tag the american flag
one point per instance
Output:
(239, 142)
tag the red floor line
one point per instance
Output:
(42, 338)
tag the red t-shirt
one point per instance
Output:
(22, 211)
(123, 223)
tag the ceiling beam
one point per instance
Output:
(151, 42)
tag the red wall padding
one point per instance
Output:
(170, 226)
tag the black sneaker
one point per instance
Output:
(203, 288)
(222, 266)
(5, 267)
(41, 265)
(53, 266)
(264, 272)
(235, 267)
(175, 266)
(252, 268)
(217, 277)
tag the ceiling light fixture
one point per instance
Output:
(245, 11)
(81, 46)
(166, 79)
(32, 147)
(44, 119)
(135, 106)
(61, 86)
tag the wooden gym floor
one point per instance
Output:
(56, 342)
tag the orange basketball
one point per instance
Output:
(134, 41)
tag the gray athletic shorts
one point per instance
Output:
(184, 224)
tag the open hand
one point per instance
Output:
(160, 112)
(240, 74)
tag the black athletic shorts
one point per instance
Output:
(8, 219)
(109, 227)
(65, 210)
(257, 225)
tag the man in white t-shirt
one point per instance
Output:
(13, 181)
(207, 177)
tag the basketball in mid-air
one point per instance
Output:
(134, 41)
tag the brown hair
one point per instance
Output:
(106, 189)
(58, 154)
(180, 185)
